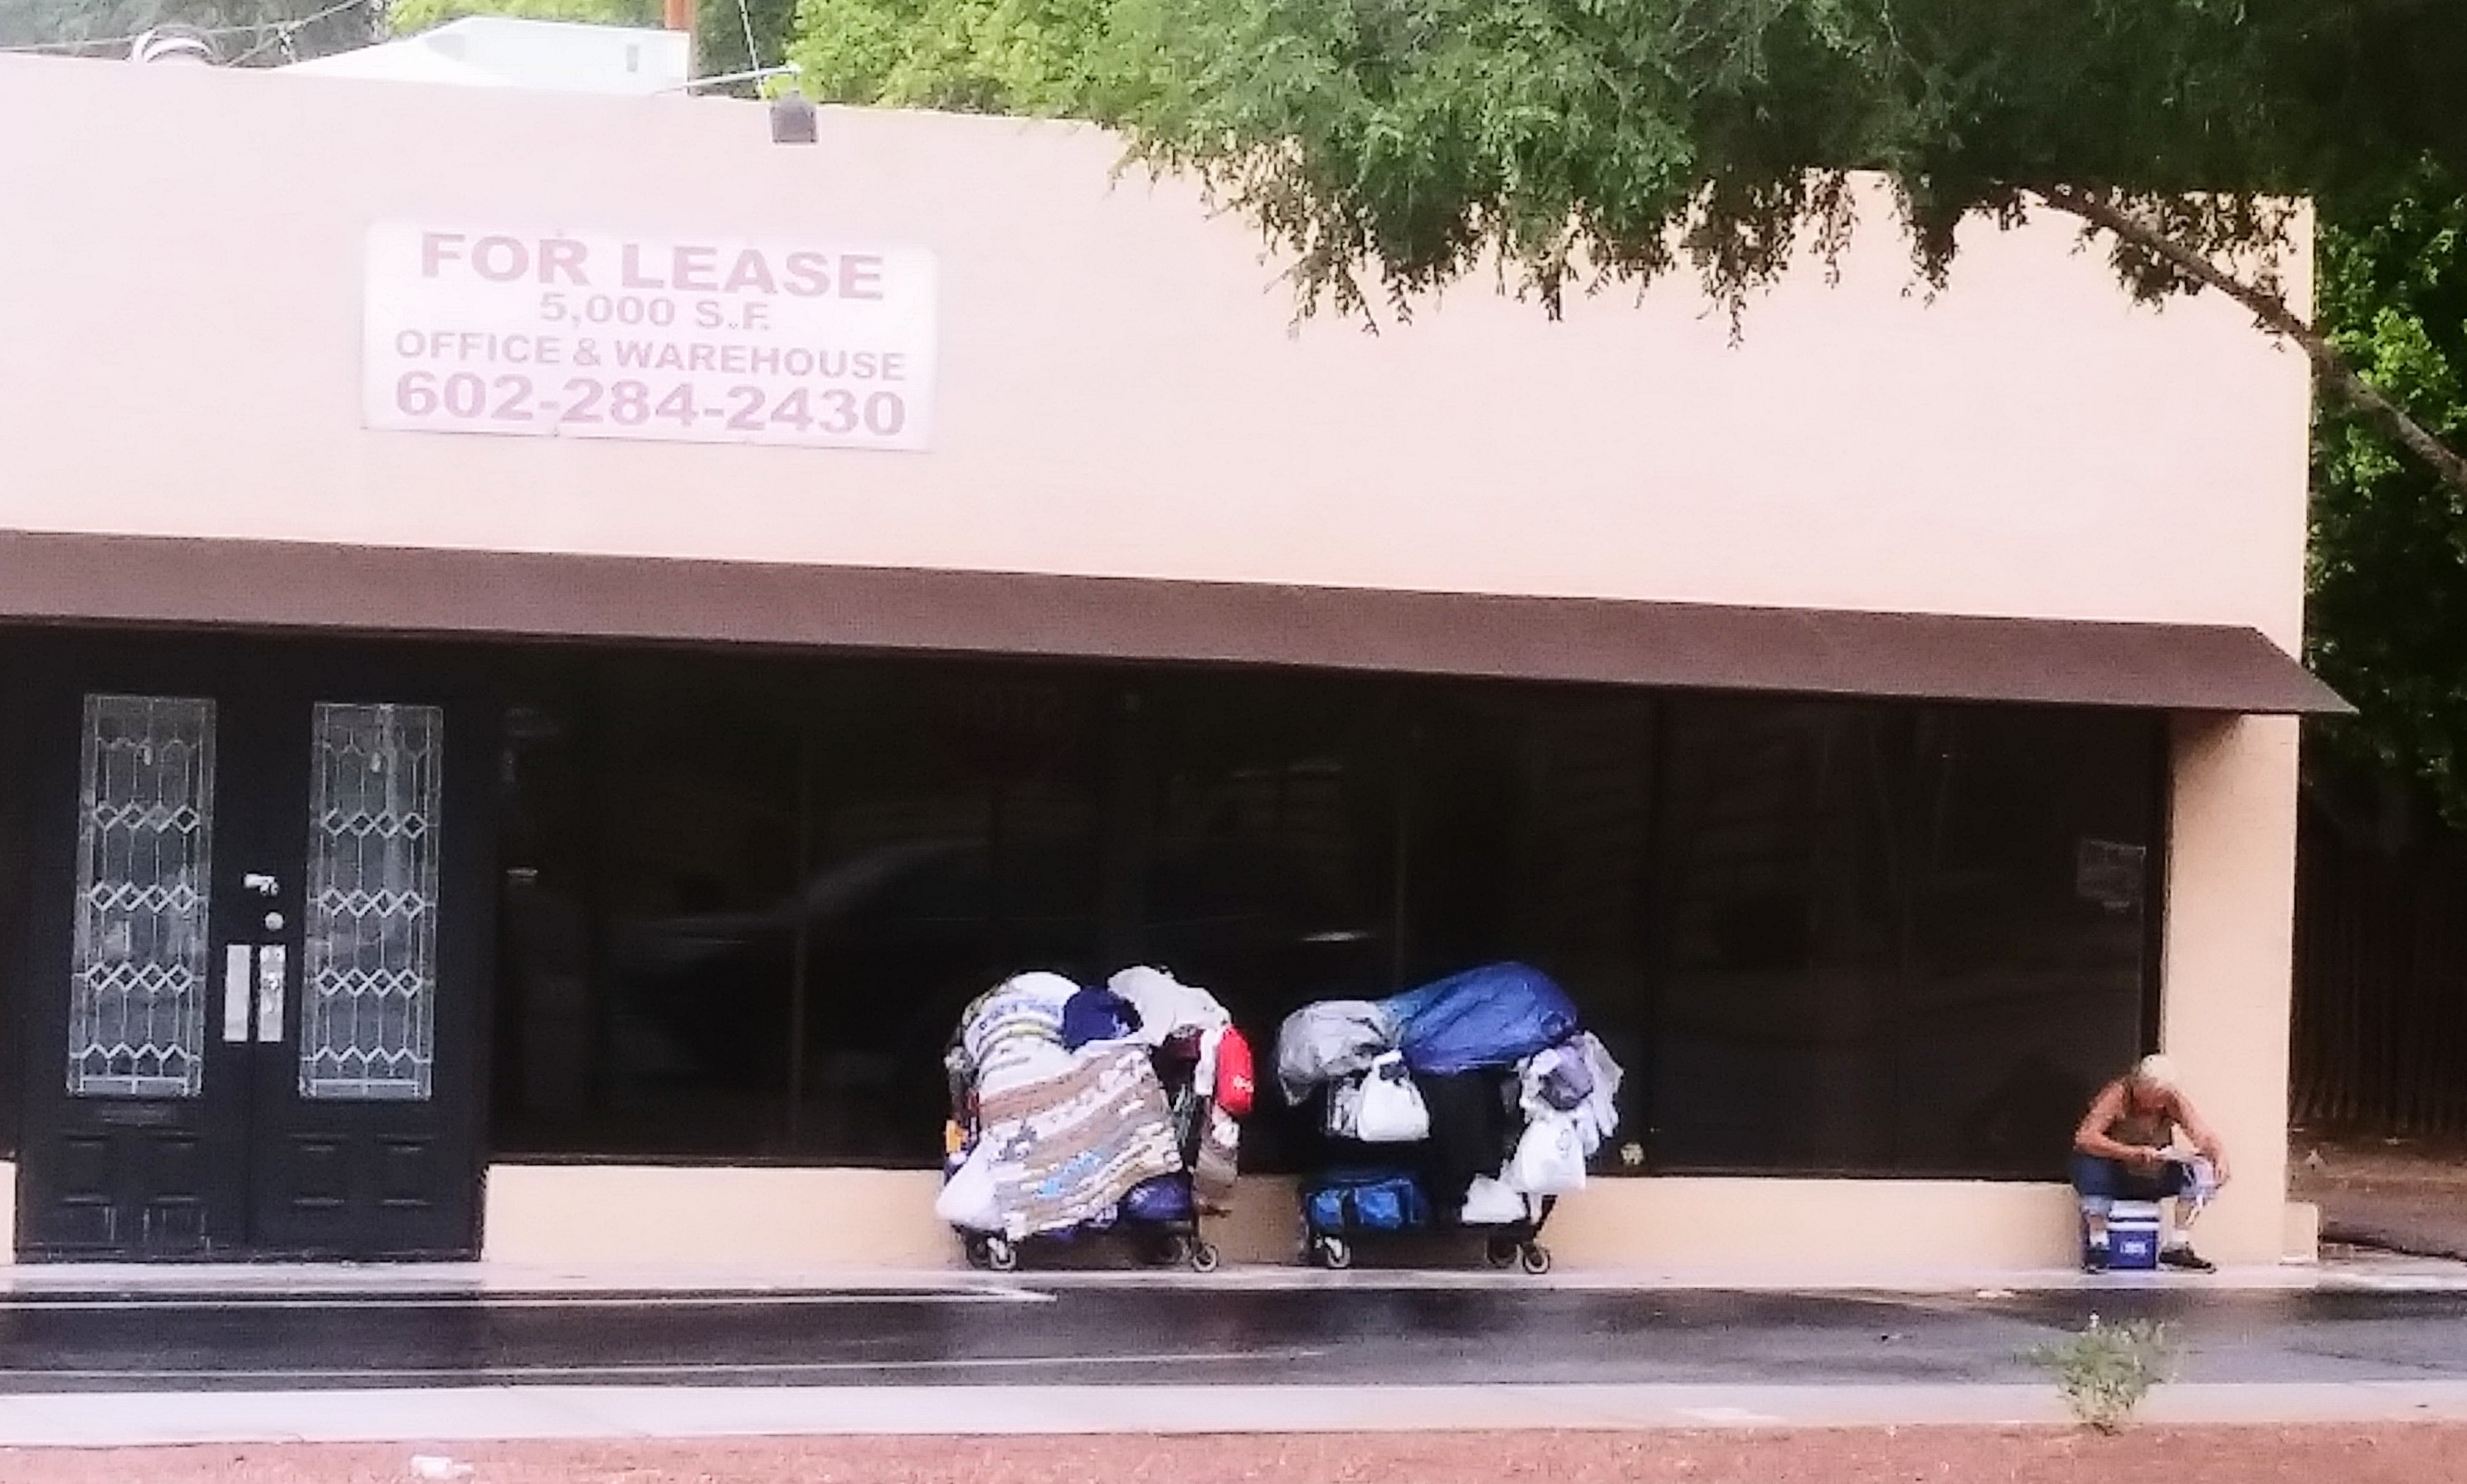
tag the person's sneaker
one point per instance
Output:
(2186, 1258)
(2095, 1260)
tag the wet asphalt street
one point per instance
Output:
(1029, 1335)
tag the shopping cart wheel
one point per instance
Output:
(1499, 1252)
(1203, 1255)
(975, 1250)
(1534, 1258)
(1335, 1254)
(1000, 1255)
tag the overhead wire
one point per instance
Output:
(753, 55)
(283, 29)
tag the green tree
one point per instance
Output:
(741, 35)
(1393, 146)
(1042, 57)
(2389, 552)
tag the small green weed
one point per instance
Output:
(2106, 1370)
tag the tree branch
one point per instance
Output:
(2339, 378)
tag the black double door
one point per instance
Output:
(256, 935)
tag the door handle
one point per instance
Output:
(236, 991)
(273, 968)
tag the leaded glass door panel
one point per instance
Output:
(369, 968)
(256, 992)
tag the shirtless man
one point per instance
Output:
(2126, 1150)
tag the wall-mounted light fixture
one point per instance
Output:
(792, 119)
(792, 116)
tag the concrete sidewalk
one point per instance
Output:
(501, 1283)
(103, 1357)
(505, 1413)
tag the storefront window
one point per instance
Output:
(649, 867)
(1257, 815)
(1527, 827)
(1895, 938)
(952, 842)
(747, 899)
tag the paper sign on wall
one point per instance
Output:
(598, 335)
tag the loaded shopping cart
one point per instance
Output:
(1081, 1116)
(1470, 1105)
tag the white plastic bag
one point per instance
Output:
(1489, 1203)
(1345, 1109)
(1600, 1111)
(1549, 1159)
(967, 1200)
(1392, 1106)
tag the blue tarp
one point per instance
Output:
(1494, 1016)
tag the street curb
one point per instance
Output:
(513, 1413)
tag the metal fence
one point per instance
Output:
(2380, 986)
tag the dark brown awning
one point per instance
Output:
(158, 580)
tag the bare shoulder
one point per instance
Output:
(2106, 1106)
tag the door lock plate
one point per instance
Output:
(273, 968)
(236, 991)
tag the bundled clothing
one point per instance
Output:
(1514, 1098)
(1164, 1005)
(1330, 1042)
(1094, 1015)
(1064, 1148)
(1568, 1096)
(1015, 1033)
(1063, 1111)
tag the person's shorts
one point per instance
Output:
(2102, 1183)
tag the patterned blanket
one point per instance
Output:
(1068, 1147)
(1015, 1033)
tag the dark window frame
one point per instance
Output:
(1411, 704)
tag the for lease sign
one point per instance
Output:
(708, 340)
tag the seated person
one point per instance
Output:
(2125, 1150)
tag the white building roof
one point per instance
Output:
(495, 51)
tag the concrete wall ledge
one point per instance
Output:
(1805, 1230)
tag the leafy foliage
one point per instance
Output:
(2389, 540)
(2105, 1371)
(1018, 57)
(1392, 145)
(722, 27)
(1406, 142)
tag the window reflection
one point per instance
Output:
(746, 898)
(1880, 953)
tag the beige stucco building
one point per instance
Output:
(952, 557)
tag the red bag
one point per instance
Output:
(1237, 1078)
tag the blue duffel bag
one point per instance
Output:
(1366, 1200)
(1156, 1202)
